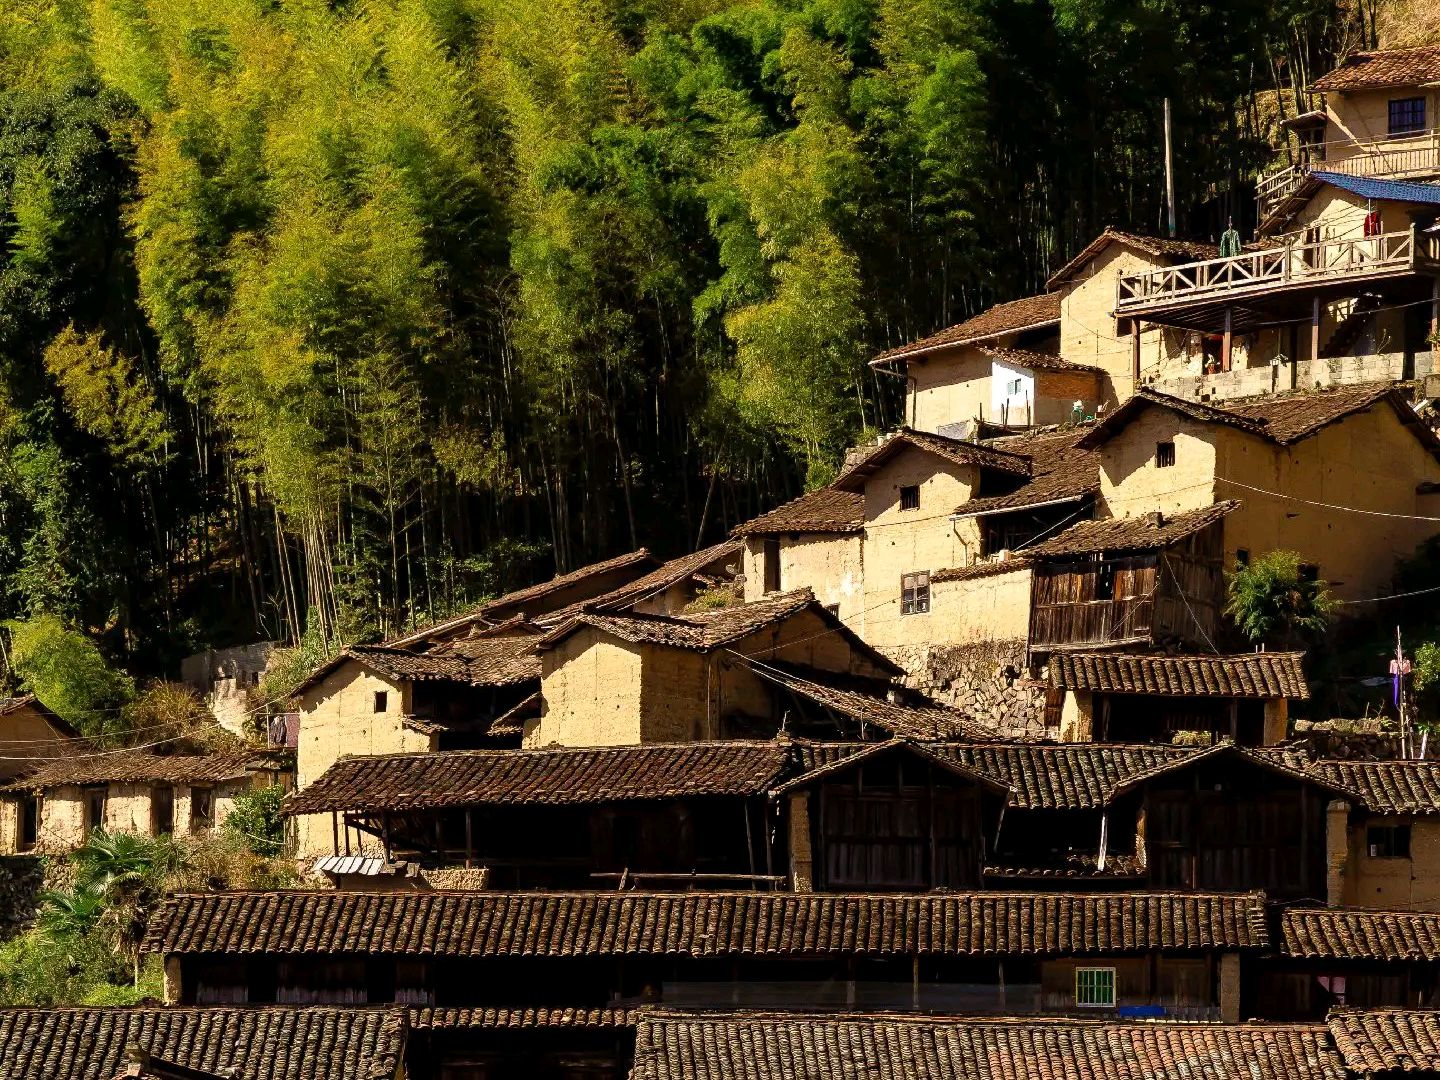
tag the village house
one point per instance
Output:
(31, 734)
(55, 807)
(224, 679)
(1393, 856)
(178, 1043)
(1130, 697)
(615, 679)
(1180, 956)
(473, 682)
(805, 815)
(1345, 476)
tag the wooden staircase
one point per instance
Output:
(1348, 332)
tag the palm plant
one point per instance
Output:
(1274, 600)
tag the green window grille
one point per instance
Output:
(1095, 988)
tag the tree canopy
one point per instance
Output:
(329, 318)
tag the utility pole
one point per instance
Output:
(1169, 173)
(1400, 667)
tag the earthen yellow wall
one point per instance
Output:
(674, 689)
(1131, 484)
(1411, 884)
(828, 564)
(1364, 117)
(25, 734)
(1087, 324)
(995, 607)
(338, 718)
(1368, 461)
(898, 542)
(947, 386)
(592, 685)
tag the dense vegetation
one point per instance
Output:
(331, 316)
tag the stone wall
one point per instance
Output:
(988, 681)
(22, 878)
(1295, 375)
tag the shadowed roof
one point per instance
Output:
(1013, 317)
(1388, 67)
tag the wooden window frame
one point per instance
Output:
(1090, 983)
(1165, 454)
(381, 701)
(915, 592)
(1398, 839)
(910, 497)
(1406, 109)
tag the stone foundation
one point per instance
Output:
(22, 879)
(989, 682)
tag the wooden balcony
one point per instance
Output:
(1405, 157)
(1172, 293)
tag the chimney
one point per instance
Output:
(1155, 519)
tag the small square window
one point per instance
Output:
(95, 799)
(1388, 841)
(1105, 581)
(1164, 455)
(1012, 388)
(1309, 572)
(915, 593)
(1242, 557)
(382, 700)
(833, 609)
(910, 497)
(1407, 115)
(1095, 987)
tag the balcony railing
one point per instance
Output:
(1278, 268)
(1393, 158)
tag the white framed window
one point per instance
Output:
(1095, 987)
(1012, 388)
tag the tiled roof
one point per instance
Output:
(1373, 187)
(561, 776)
(701, 632)
(1251, 675)
(1359, 934)
(503, 660)
(1282, 419)
(1387, 1040)
(988, 568)
(1284, 761)
(258, 1042)
(1390, 67)
(955, 451)
(30, 701)
(503, 607)
(1129, 534)
(1060, 470)
(665, 576)
(910, 715)
(1388, 787)
(1157, 247)
(1031, 312)
(705, 924)
(741, 1046)
(1036, 361)
(1069, 776)
(826, 510)
(520, 1019)
(143, 767)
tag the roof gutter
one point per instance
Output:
(958, 516)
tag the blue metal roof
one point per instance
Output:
(1369, 188)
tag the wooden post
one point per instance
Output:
(1314, 333)
(469, 837)
(749, 842)
(335, 832)
(1135, 351)
(1229, 340)
(1434, 312)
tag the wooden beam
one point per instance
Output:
(1135, 351)
(1315, 330)
(469, 837)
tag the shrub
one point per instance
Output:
(255, 822)
(66, 671)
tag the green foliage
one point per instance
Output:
(107, 397)
(66, 671)
(255, 822)
(1273, 600)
